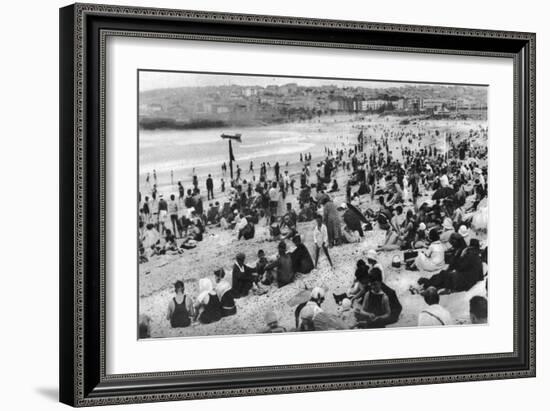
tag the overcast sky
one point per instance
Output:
(149, 80)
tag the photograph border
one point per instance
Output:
(84, 29)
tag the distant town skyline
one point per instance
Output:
(154, 80)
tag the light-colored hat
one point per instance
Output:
(344, 206)
(447, 224)
(463, 231)
(317, 293)
(346, 304)
(372, 255)
(421, 227)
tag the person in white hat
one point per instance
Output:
(311, 309)
(420, 240)
(465, 233)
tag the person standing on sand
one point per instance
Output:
(181, 190)
(146, 211)
(180, 308)
(210, 187)
(320, 239)
(162, 214)
(222, 185)
(195, 180)
(332, 221)
(173, 213)
(273, 201)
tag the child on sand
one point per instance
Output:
(320, 238)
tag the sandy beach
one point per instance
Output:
(219, 247)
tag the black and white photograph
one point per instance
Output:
(274, 204)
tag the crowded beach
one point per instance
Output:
(387, 228)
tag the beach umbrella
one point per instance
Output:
(442, 193)
(357, 212)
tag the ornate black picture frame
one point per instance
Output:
(83, 31)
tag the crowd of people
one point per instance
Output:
(430, 202)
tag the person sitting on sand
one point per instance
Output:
(301, 259)
(272, 322)
(311, 309)
(281, 270)
(180, 308)
(391, 241)
(208, 308)
(334, 186)
(398, 220)
(359, 286)
(478, 310)
(375, 310)
(225, 294)
(467, 271)
(349, 236)
(420, 240)
(194, 234)
(452, 255)
(150, 240)
(243, 277)
(291, 214)
(346, 314)
(465, 233)
(247, 231)
(433, 259)
(287, 229)
(434, 314)
(144, 328)
(170, 244)
(448, 230)
(213, 215)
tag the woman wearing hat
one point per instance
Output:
(448, 229)
(433, 259)
(311, 309)
(225, 295)
(465, 233)
(207, 307)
